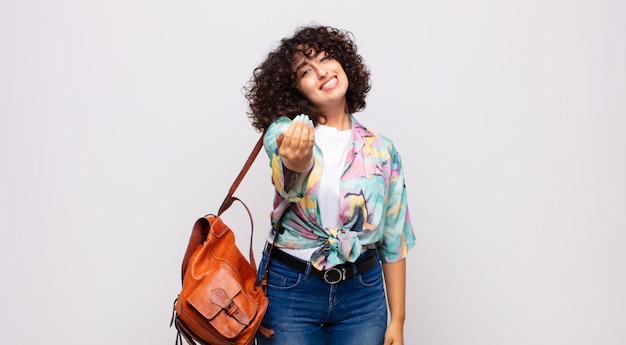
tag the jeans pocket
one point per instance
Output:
(283, 277)
(372, 277)
(279, 281)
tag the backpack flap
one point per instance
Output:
(219, 300)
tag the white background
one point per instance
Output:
(122, 122)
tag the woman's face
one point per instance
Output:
(322, 80)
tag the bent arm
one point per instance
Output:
(289, 146)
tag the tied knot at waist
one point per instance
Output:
(340, 247)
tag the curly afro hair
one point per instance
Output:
(271, 91)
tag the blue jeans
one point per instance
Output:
(305, 310)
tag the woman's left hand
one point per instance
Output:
(394, 334)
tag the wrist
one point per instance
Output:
(298, 167)
(397, 320)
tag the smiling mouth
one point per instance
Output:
(329, 84)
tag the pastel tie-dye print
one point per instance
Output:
(373, 207)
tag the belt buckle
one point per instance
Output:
(334, 275)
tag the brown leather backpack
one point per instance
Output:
(220, 302)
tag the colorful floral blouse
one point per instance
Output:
(373, 209)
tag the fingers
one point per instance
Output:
(304, 132)
(295, 146)
(300, 135)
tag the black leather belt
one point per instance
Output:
(332, 275)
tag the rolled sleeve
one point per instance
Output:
(398, 235)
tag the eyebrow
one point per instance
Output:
(302, 64)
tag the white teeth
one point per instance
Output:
(329, 84)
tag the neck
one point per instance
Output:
(340, 121)
(337, 115)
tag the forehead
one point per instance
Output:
(306, 50)
(302, 54)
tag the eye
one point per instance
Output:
(325, 57)
(304, 72)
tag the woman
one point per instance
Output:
(340, 201)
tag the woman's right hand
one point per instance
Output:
(295, 146)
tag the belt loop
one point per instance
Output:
(307, 271)
(355, 272)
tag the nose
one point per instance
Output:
(322, 73)
(319, 69)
